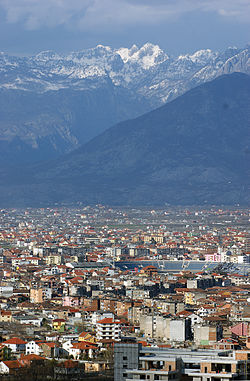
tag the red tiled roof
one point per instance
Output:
(31, 357)
(5, 313)
(14, 340)
(83, 345)
(51, 344)
(184, 313)
(13, 364)
(108, 321)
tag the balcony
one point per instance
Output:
(143, 374)
(214, 376)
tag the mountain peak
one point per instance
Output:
(201, 57)
(103, 47)
(146, 56)
(126, 53)
(39, 93)
(47, 55)
(131, 68)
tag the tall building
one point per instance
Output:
(132, 362)
(108, 329)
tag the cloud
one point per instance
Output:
(92, 14)
(46, 13)
(239, 9)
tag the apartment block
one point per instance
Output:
(132, 362)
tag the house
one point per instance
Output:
(6, 316)
(206, 310)
(55, 259)
(82, 349)
(36, 295)
(86, 336)
(28, 319)
(241, 329)
(50, 349)
(59, 324)
(149, 270)
(92, 316)
(66, 345)
(226, 344)
(195, 319)
(31, 347)
(27, 360)
(10, 367)
(15, 344)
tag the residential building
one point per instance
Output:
(108, 329)
(132, 362)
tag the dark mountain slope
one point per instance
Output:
(35, 126)
(193, 150)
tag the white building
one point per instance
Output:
(108, 329)
(6, 291)
(32, 348)
(93, 317)
(206, 311)
(33, 320)
(80, 349)
(4, 368)
(15, 344)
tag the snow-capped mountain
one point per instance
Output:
(147, 70)
(51, 103)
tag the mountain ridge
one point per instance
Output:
(122, 65)
(57, 102)
(193, 150)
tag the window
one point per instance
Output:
(170, 368)
(205, 371)
(124, 358)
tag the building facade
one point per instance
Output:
(132, 362)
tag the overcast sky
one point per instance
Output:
(178, 26)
